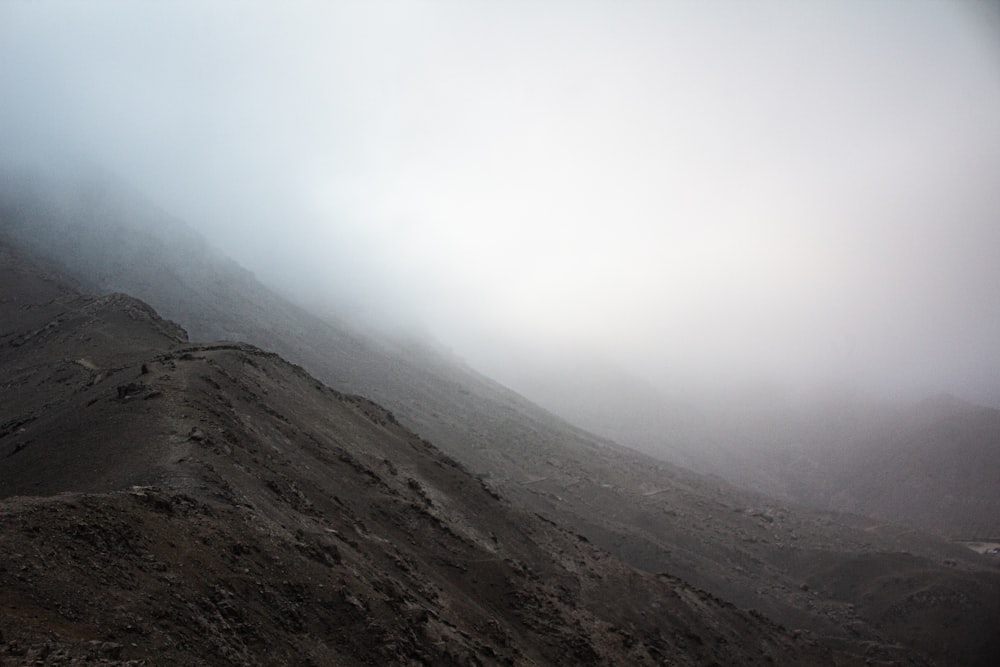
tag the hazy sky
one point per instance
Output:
(695, 191)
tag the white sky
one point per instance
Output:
(697, 191)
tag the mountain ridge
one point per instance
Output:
(740, 546)
(200, 503)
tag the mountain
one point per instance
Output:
(935, 468)
(856, 584)
(931, 465)
(213, 504)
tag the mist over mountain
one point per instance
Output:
(210, 504)
(833, 576)
(440, 323)
(703, 196)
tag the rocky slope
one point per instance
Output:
(740, 546)
(932, 465)
(170, 503)
(929, 464)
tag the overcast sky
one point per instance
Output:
(697, 192)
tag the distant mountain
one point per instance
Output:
(935, 465)
(932, 465)
(740, 546)
(170, 503)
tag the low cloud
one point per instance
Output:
(698, 193)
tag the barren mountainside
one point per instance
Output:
(860, 585)
(172, 503)
(929, 464)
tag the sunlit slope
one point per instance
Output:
(743, 547)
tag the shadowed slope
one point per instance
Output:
(214, 504)
(740, 546)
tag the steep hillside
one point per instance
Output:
(742, 547)
(935, 468)
(213, 504)
(930, 465)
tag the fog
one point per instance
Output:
(701, 195)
